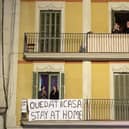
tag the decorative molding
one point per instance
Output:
(120, 67)
(48, 67)
(50, 5)
(119, 6)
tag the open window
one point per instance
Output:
(48, 79)
(121, 17)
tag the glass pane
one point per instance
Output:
(58, 15)
(54, 80)
(48, 18)
(54, 94)
(43, 83)
(42, 21)
(50, 24)
(53, 18)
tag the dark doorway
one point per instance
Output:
(121, 17)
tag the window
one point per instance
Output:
(120, 17)
(50, 28)
(121, 95)
(121, 83)
(48, 79)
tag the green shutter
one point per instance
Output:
(113, 19)
(35, 85)
(62, 85)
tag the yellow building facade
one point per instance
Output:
(90, 74)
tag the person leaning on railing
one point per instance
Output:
(116, 28)
(127, 27)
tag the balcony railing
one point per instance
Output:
(106, 109)
(102, 109)
(76, 43)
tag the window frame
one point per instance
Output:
(49, 38)
(37, 83)
(50, 5)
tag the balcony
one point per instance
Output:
(76, 46)
(95, 112)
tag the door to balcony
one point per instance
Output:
(121, 95)
(120, 17)
(50, 28)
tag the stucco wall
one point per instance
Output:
(99, 17)
(73, 80)
(24, 86)
(100, 80)
(73, 17)
(27, 22)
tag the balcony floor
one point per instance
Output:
(75, 124)
(77, 56)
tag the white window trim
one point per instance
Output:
(116, 67)
(48, 67)
(116, 6)
(53, 5)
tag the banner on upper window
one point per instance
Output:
(65, 109)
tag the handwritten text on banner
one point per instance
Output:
(65, 109)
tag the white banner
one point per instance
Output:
(65, 109)
(24, 106)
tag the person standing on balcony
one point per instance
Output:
(127, 27)
(43, 93)
(54, 93)
(116, 28)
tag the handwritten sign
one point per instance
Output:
(65, 109)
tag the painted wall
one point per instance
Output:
(100, 80)
(73, 83)
(73, 80)
(24, 86)
(99, 17)
(73, 17)
(72, 70)
(27, 22)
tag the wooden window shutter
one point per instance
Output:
(35, 85)
(62, 85)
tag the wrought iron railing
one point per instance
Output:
(76, 43)
(47, 43)
(102, 109)
(106, 109)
